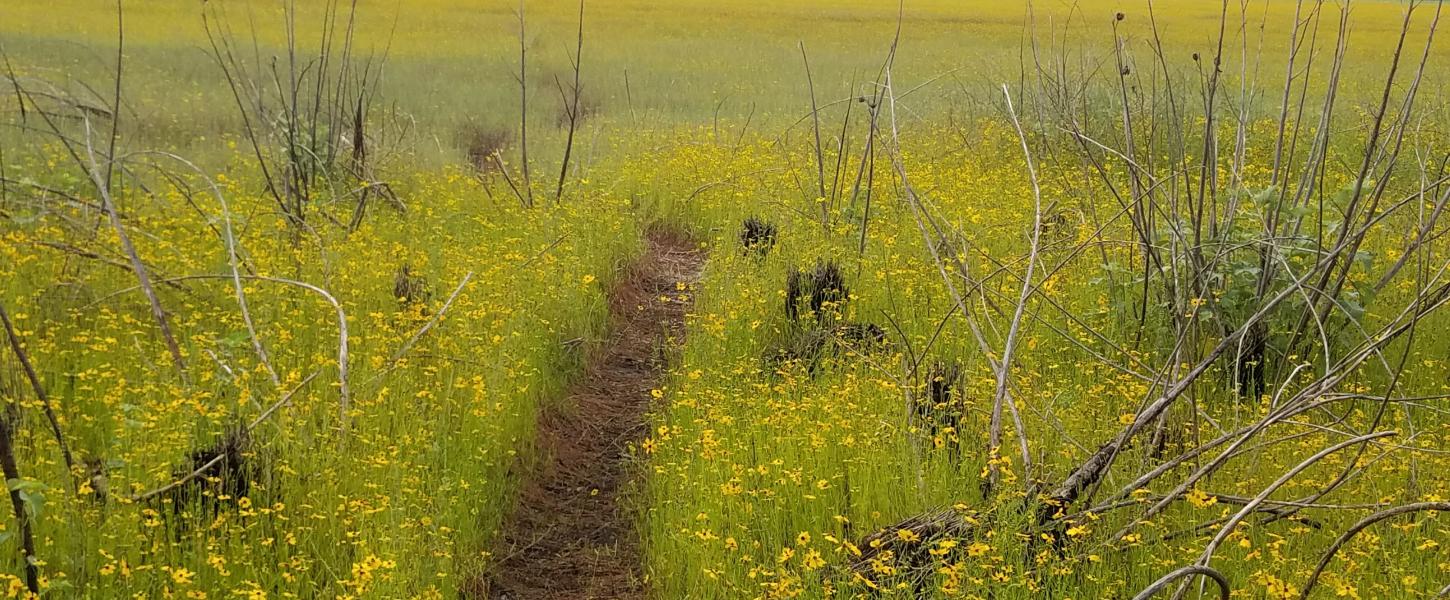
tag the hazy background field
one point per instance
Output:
(732, 64)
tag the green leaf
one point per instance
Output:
(23, 485)
(234, 339)
(30, 494)
(34, 503)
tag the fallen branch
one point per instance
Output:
(1190, 570)
(438, 316)
(1360, 526)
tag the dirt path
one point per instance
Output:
(568, 537)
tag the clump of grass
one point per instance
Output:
(409, 288)
(939, 408)
(1057, 225)
(862, 335)
(98, 478)
(757, 236)
(1249, 361)
(822, 290)
(809, 347)
(213, 474)
(802, 348)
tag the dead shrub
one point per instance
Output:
(482, 144)
(410, 289)
(589, 107)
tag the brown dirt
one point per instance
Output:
(569, 537)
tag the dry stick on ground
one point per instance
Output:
(1244, 435)
(51, 191)
(87, 254)
(1427, 303)
(222, 456)
(438, 316)
(1264, 494)
(571, 106)
(1162, 583)
(1424, 304)
(1090, 471)
(17, 502)
(39, 389)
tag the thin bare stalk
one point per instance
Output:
(816, 126)
(35, 385)
(572, 106)
(524, 109)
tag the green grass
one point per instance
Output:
(757, 479)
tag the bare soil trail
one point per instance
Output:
(569, 537)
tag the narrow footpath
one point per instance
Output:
(568, 537)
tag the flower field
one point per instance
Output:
(1061, 300)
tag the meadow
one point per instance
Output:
(1098, 299)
